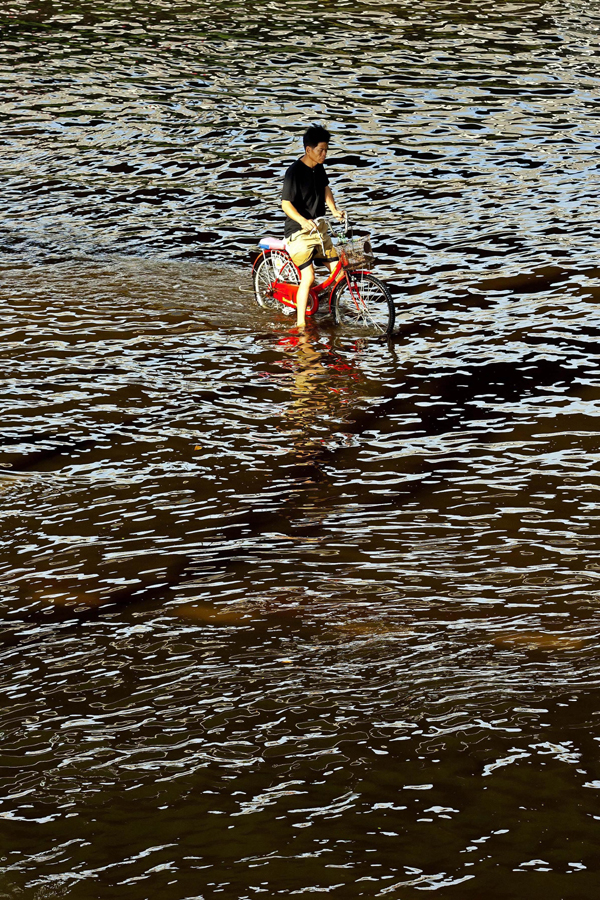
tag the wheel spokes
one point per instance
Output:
(362, 305)
(276, 267)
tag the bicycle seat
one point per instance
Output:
(271, 243)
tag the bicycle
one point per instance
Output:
(358, 301)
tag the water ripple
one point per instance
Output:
(288, 615)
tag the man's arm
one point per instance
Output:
(331, 204)
(291, 211)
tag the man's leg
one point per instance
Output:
(331, 254)
(307, 276)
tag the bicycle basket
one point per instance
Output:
(355, 253)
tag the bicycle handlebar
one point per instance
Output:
(344, 223)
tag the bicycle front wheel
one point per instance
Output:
(274, 266)
(363, 304)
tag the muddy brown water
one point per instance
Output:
(284, 616)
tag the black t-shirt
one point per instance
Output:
(305, 188)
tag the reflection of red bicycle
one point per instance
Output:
(357, 300)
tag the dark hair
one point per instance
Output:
(314, 135)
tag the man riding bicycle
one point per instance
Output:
(306, 192)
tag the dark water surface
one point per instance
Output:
(283, 616)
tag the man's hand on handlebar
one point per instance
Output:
(312, 225)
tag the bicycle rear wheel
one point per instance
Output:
(363, 304)
(275, 265)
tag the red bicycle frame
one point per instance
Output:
(286, 293)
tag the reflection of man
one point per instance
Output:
(310, 399)
(305, 192)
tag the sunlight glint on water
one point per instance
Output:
(291, 616)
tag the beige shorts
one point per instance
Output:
(304, 247)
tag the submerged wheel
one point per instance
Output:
(275, 265)
(365, 306)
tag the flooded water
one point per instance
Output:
(286, 615)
